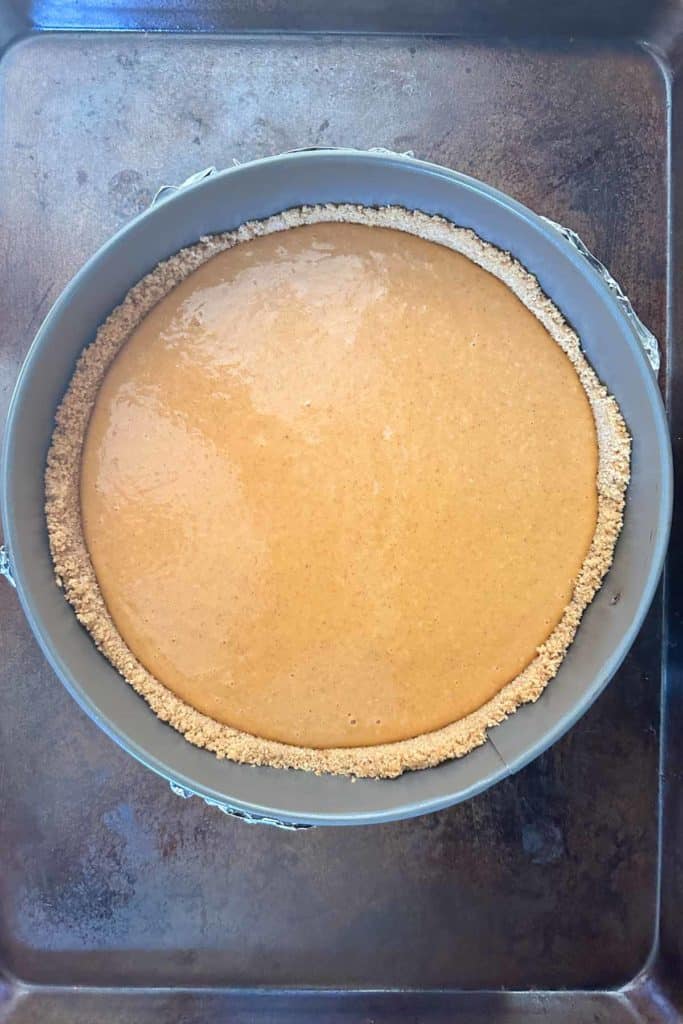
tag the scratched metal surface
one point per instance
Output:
(549, 881)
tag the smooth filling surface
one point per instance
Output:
(337, 486)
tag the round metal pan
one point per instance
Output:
(610, 337)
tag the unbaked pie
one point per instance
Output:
(332, 491)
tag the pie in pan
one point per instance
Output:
(333, 490)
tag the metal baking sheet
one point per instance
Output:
(555, 894)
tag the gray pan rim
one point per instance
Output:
(395, 807)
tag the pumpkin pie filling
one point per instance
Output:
(337, 486)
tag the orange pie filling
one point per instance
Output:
(333, 490)
(337, 486)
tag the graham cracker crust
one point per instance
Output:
(74, 571)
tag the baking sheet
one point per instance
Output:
(548, 882)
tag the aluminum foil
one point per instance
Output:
(648, 342)
(6, 566)
(165, 191)
(235, 812)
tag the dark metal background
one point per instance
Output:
(550, 881)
